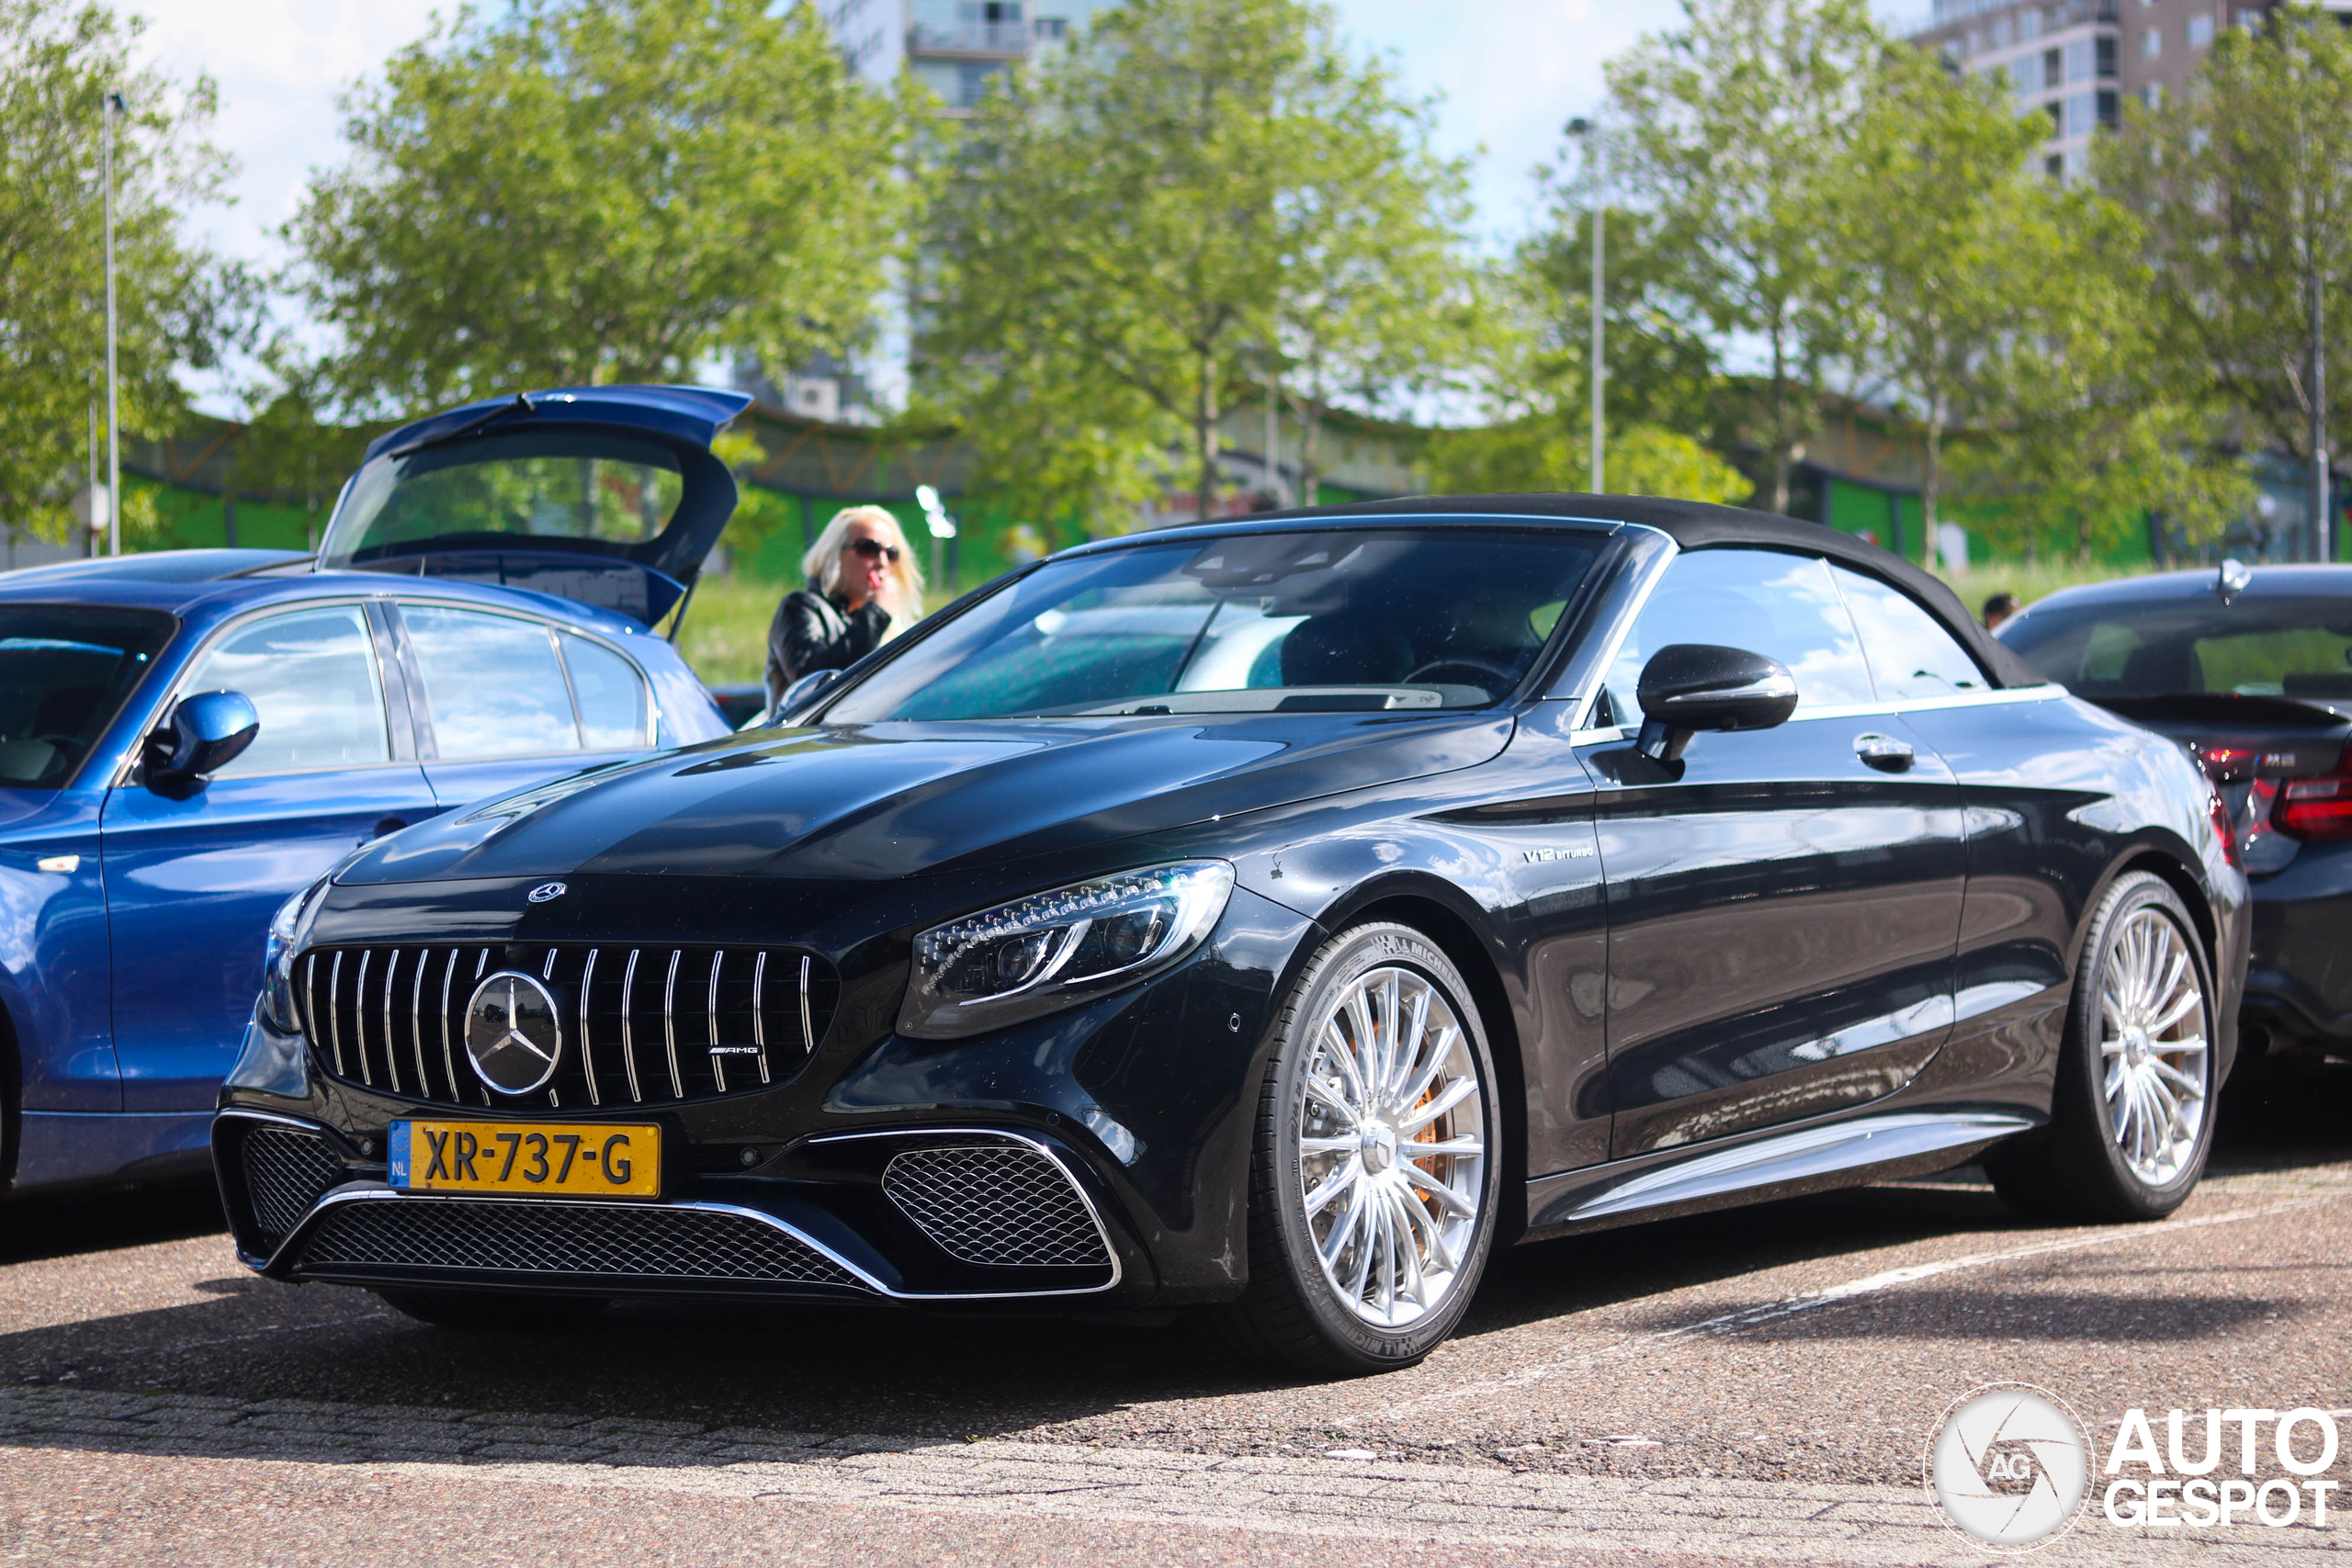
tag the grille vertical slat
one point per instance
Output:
(356, 1030)
(587, 1046)
(759, 1012)
(391, 1047)
(334, 1015)
(670, 1023)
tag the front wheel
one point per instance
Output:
(2131, 1113)
(1374, 1178)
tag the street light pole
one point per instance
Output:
(1589, 132)
(115, 108)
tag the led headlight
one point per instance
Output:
(1052, 950)
(286, 930)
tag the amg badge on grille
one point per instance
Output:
(513, 1033)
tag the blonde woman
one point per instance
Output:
(864, 587)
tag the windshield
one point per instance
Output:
(64, 671)
(2282, 647)
(1330, 620)
(528, 485)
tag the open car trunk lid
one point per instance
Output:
(607, 496)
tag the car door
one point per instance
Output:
(192, 877)
(1783, 915)
(508, 701)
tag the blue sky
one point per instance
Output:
(1511, 71)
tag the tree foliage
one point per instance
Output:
(586, 191)
(175, 304)
(2244, 190)
(1196, 197)
(1726, 132)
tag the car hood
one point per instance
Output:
(902, 799)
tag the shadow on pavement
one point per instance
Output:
(58, 1225)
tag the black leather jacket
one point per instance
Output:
(811, 632)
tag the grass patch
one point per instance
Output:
(726, 636)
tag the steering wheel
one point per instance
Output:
(1501, 680)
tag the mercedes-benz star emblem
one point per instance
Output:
(545, 891)
(513, 1033)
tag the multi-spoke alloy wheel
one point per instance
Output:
(1390, 1123)
(1374, 1182)
(2131, 1110)
(2153, 1045)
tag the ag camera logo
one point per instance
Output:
(2010, 1466)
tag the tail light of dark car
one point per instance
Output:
(2316, 808)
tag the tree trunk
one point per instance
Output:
(1933, 483)
(1205, 441)
(1310, 449)
(1777, 488)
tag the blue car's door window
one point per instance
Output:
(615, 715)
(1782, 606)
(1912, 657)
(312, 677)
(192, 876)
(492, 685)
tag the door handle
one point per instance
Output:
(1884, 752)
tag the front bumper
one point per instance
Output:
(1098, 1154)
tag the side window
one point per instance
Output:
(311, 676)
(1911, 655)
(614, 713)
(492, 685)
(1762, 601)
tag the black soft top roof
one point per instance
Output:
(1696, 525)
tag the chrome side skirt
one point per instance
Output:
(1809, 1154)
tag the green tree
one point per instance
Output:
(1539, 453)
(1940, 238)
(2090, 443)
(585, 191)
(1726, 132)
(1130, 232)
(175, 304)
(2243, 187)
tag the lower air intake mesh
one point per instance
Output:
(995, 1204)
(540, 1237)
(285, 1172)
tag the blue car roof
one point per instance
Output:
(2264, 583)
(201, 601)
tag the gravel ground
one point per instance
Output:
(1727, 1388)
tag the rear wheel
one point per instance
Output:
(510, 1310)
(1373, 1183)
(2131, 1113)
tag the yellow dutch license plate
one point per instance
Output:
(579, 1160)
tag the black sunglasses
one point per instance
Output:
(872, 548)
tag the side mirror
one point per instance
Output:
(205, 733)
(1689, 686)
(802, 695)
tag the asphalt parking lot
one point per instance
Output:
(1758, 1383)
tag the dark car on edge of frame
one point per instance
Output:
(1268, 918)
(2251, 667)
(188, 737)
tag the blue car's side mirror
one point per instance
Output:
(205, 733)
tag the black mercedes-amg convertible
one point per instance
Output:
(1266, 919)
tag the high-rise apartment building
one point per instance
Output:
(2077, 61)
(953, 47)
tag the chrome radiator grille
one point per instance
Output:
(641, 1025)
(607, 1240)
(285, 1172)
(997, 1203)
